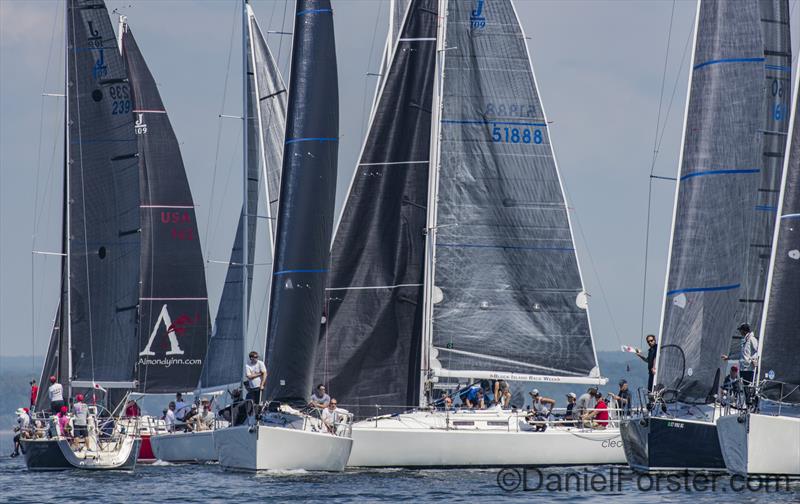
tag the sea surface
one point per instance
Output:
(161, 483)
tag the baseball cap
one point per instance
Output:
(535, 392)
(572, 395)
(622, 382)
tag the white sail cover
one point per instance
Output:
(508, 298)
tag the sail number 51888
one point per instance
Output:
(516, 135)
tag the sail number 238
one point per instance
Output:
(516, 135)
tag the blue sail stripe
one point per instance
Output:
(512, 247)
(728, 60)
(766, 208)
(299, 271)
(779, 68)
(311, 139)
(486, 121)
(718, 172)
(313, 11)
(703, 289)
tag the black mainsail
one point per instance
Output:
(305, 211)
(103, 220)
(778, 367)
(718, 183)
(370, 347)
(173, 309)
(266, 121)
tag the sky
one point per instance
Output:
(611, 85)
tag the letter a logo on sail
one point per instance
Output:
(174, 348)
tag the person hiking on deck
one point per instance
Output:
(21, 430)
(650, 360)
(256, 373)
(584, 403)
(598, 417)
(570, 414)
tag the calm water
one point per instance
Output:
(189, 483)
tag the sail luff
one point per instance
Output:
(305, 211)
(717, 187)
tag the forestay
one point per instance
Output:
(719, 178)
(508, 298)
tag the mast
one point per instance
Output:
(433, 186)
(245, 207)
(66, 350)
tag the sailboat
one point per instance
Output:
(453, 260)
(93, 349)
(729, 173)
(766, 439)
(283, 435)
(264, 122)
(173, 302)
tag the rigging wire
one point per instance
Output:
(364, 118)
(220, 124)
(38, 178)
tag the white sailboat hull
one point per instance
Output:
(184, 447)
(760, 444)
(421, 439)
(263, 448)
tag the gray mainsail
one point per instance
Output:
(719, 176)
(507, 295)
(761, 223)
(779, 368)
(266, 101)
(174, 324)
(369, 350)
(305, 210)
(103, 205)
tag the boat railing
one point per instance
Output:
(342, 421)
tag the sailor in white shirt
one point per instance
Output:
(256, 373)
(749, 353)
(169, 417)
(332, 416)
(56, 395)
